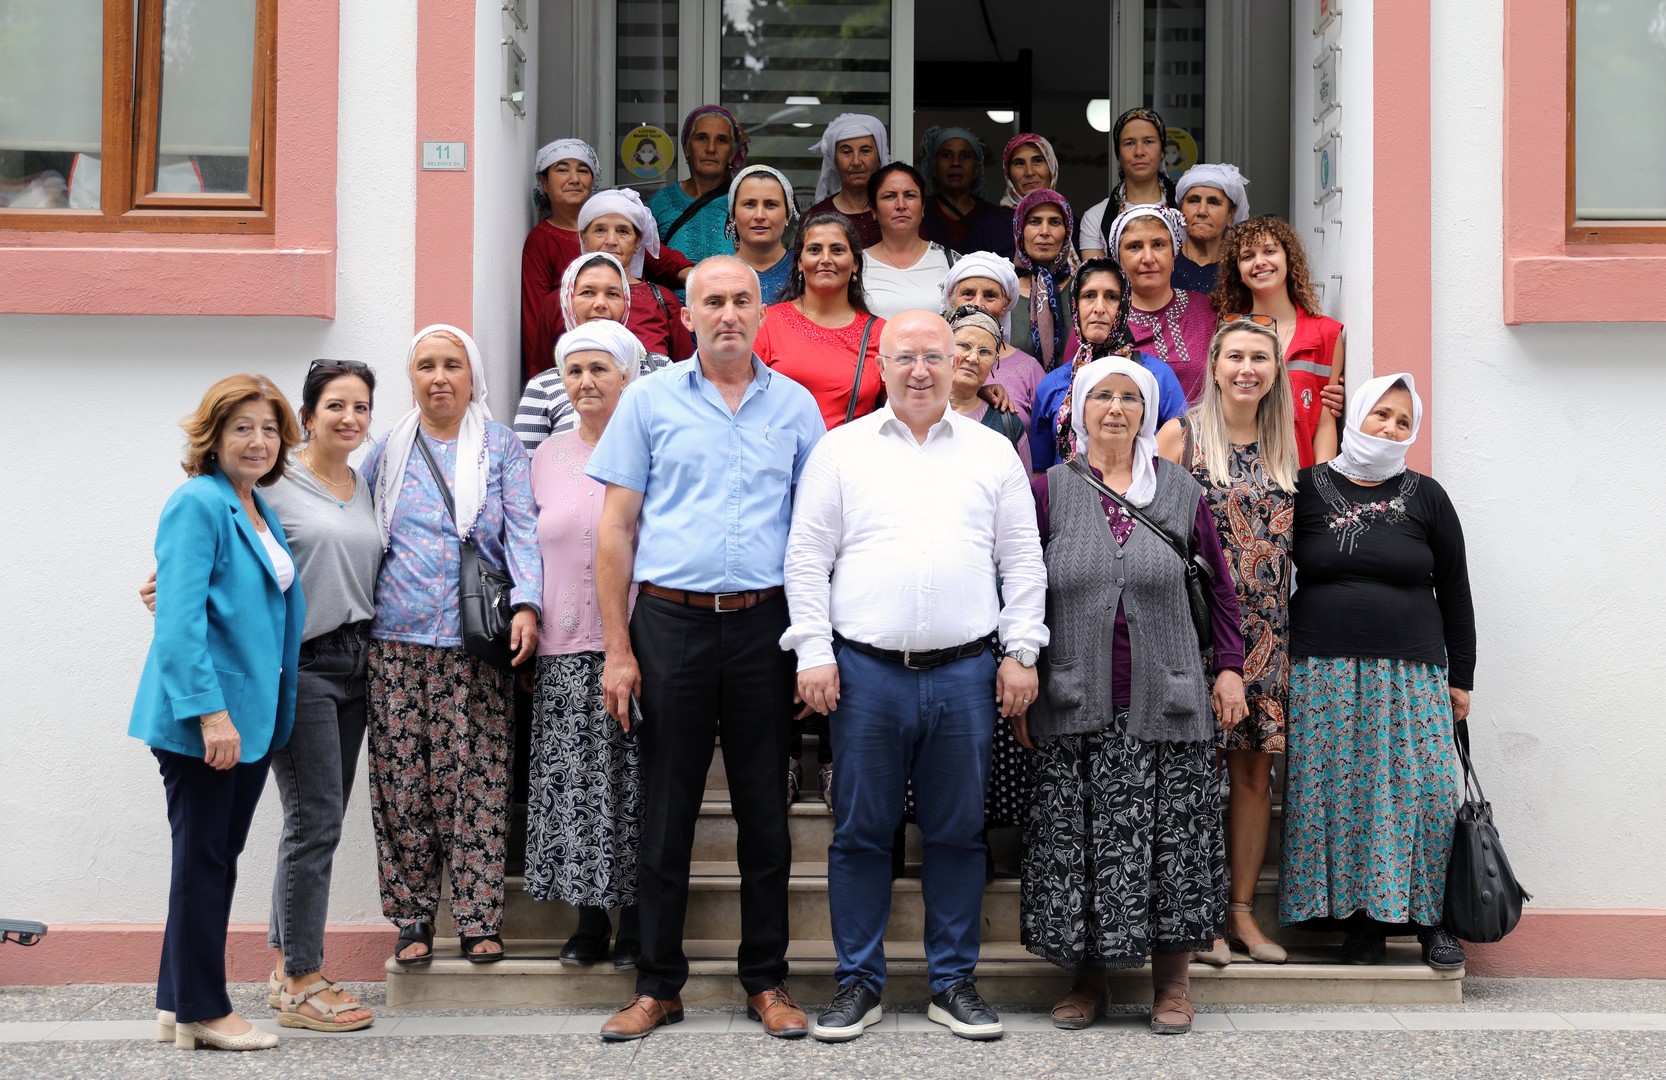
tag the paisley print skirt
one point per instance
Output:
(1371, 787)
(584, 801)
(1125, 853)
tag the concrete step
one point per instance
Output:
(714, 909)
(531, 976)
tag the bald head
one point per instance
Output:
(702, 271)
(916, 354)
(723, 310)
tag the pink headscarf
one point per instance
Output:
(1041, 143)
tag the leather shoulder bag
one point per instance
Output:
(1483, 897)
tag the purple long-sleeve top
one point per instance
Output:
(1228, 652)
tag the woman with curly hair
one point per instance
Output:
(1264, 269)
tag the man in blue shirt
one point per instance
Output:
(700, 462)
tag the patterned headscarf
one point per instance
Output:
(569, 283)
(846, 126)
(561, 150)
(933, 140)
(1120, 342)
(1119, 196)
(972, 315)
(1049, 329)
(741, 140)
(1026, 139)
(729, 228)
(1168, 215)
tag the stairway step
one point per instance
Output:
(1007, 975)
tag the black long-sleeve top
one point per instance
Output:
(1381, 573)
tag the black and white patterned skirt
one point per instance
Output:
(1125, 855)
(584, 803)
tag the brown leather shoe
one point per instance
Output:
(781, 1017)
(642, 1015)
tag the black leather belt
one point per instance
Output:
(921, 659)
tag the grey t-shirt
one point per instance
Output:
(337, 548)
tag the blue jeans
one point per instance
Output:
(314, 777)
(938, 728)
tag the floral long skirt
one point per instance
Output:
(1370, 791)
(584, 803)
(1125, 852)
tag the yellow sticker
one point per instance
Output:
(647, 152)
(1179, 151)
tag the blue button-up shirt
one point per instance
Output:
(717, 487)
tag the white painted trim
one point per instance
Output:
(599, 22)
(902, 79)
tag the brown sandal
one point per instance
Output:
(1079, 1008)
(1172, 1013)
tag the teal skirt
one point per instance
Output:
(1370, 791)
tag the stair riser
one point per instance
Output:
(607, 988)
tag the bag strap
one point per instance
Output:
(1136, 513)
(659, 298)
(861, 358)
(1188, 452)
(1460, 737)
(439, 477)
(693, 208)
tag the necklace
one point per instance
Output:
(328, 486)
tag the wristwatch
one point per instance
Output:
(1025, 657)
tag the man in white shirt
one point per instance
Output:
(903, 521)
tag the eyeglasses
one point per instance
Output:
(983, 352)
(1127, 401)
(350, 367)
(931, 359)
(1249, 316)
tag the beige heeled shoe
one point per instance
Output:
(1219, 956)
(194, 1036)
(165, 1026)
(1266, 952)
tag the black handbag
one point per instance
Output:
(1483, 897)
(1199, 574)
(483, 610)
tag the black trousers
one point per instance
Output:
(707, 674)
(209, 813)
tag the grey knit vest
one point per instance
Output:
(1087, 574)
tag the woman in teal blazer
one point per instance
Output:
(218, 690)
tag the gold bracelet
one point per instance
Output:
(206, 724)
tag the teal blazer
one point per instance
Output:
(226, 636)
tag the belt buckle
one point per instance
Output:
(908, 660)
(717, 602)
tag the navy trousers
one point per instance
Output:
(209, 812)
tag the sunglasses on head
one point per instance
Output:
(1249, 316)
(346, 367)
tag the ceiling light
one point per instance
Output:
(1099, 114)
(1002, 116)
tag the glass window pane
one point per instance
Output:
(1174, 33)
(646, 93)
(208, 56)
(51, 97)
(790, 66)
(1619, 100)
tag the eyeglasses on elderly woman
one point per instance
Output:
(1105, 397)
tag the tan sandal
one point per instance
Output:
(274, 988)
(1079, 1008)
(1172, 1013)
(291, 1015)
(1265, 952)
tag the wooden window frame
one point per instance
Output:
(130, 122)
(1583, 230)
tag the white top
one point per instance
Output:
(891, 291)
(1090, 227)
(281, 562)
(914, 536)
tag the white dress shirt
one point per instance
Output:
(897, 543)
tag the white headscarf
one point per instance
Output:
(564, 150)
(627, 202)
(1369, 457)
(985, 264)
(601, 335)
(1168, 215)
(762, 170)
(846, 126)
(468, 487)
(1224, 177)
(1144, 486)
(569, 283)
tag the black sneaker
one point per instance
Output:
(963, 1011)
(1363, 948)
(853, 1010)
(1441, 950)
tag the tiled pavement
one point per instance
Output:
(1506, 1027)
